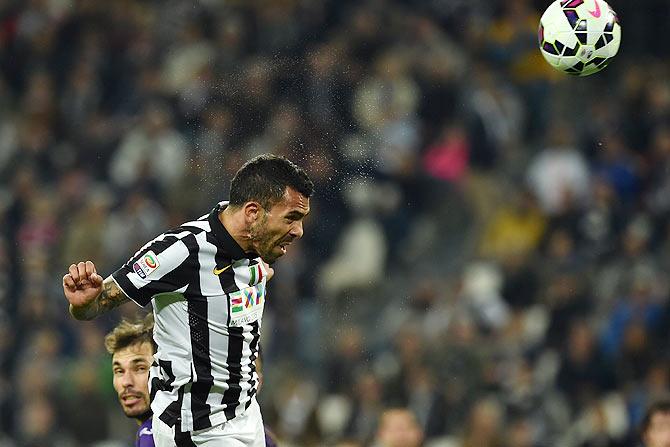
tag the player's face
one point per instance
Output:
(658, 433)
(280, 225)
(131, 378)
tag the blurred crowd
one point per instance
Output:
(489, 242)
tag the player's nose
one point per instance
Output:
(127, 381)
(296, 230)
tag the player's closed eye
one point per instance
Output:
(293, 216)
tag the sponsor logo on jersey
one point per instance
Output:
(246, 305)
(221, 270)
(137, 269)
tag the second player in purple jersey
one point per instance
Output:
(132, 348)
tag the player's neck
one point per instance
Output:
(145, 417)
(234, 223)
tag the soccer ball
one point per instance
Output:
(579, 37)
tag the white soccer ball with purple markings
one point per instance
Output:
(579, 37)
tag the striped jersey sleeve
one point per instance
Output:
(155, 267)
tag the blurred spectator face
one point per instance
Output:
(561, 244)
(156, 119)
(657, 379)
(35, 136)
(636, 236)
(520, 434)
(323, 61)
(420, 380)
(285, 120)
(462, 331)
(258, 78)
(485, 421)
(580, 342)
(603, 192)
(658, 95)
(409, 344)
(661, 142)
(37, 419)
(219, 118)
(398, 428)
(350, 343)
(635, 338)
(657, 433)
(369, 388)
(131, 378)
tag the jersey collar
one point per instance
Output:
(223, 236)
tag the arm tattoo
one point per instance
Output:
(110, 297)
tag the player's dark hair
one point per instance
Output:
(658, 406)
(264, 179)
(129, 333)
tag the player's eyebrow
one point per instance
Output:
(297, 214)
(139, 360)
(116, 363)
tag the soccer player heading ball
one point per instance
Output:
(206, 280)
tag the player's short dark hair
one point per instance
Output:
(129, 333)
(264, 179)
(658, 406)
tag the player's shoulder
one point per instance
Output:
(195, 227)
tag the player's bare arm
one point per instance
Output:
(110, 297)
(88, 294)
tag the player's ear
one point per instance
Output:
(252, 211)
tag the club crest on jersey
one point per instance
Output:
(146, 264)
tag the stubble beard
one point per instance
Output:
(261, 241)
(141, 415)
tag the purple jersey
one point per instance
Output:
(145, 437)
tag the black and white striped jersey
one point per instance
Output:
(208, 297)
